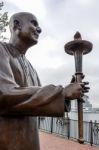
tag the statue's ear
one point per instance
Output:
(17, 24)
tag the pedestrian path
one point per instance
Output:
(53, 142)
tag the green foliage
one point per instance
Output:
(3, 22)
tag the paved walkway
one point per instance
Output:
(52, 142)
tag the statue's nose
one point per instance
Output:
(39, 30)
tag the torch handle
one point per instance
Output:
(80, 112)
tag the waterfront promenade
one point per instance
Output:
(53, 142)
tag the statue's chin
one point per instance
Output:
(32, 42)
(35, 42)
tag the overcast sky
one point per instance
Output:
(59, 20)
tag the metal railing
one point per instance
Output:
(66, 127)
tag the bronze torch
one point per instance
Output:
(78, 48)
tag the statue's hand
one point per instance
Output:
(75, 90)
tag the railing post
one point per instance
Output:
(91, 132)
(68, 128)
(51, 125)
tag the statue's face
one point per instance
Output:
(30, 29)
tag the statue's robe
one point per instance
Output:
(22, 99)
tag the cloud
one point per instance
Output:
(85, 2)
(10, 7)
(36, 7)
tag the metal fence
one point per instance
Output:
(66, 127)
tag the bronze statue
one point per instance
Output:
(22, 97)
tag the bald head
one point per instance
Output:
(19, 18)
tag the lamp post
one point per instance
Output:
(78, 48)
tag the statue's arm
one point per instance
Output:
(48, 101)
(45, 101)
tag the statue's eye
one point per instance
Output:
(34, 22)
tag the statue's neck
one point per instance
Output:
(19, 45)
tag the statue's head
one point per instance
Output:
(25, 26)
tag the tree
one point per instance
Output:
(3, 22)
